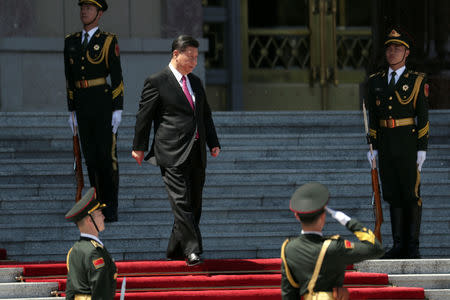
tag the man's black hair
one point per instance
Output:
(184, 41)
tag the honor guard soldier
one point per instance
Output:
(95, 105)
(399, 127)
(91, 272)
(313, 266)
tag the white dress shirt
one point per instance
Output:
(179, 77)
(90, 33)
(398, 73)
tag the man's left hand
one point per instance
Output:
(215, 151)
(116, 118)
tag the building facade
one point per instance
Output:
(255, 54)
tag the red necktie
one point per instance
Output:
(186, 92)
(189, 97)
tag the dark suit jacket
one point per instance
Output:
(164, 103)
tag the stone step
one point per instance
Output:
(132, 174)
(27, 289)
(160, 228)
(433, 205)
(9, 274)
(428, 281)
(400, 266)
(437, 294)
(219, 244)
(230, 188)
(227, 118)
(237, 187)
(62, 146)
(210, 212)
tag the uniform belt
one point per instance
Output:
(318, 296)
(82, 297)
(391, 123)
(82, 84)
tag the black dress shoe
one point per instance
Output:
(193, 259)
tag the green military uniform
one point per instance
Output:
(91, 272)
(300, 254)
(94, 99)
(399, 128)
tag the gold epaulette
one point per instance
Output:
(70, 34)
(334, 237)
(108, 33)
(96, 244)
(417, 73)
(375, 74)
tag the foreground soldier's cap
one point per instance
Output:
(310, 199)
(99, 3)
(397, 36)
(87, 205)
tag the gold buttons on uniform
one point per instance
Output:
(390, 107)
(82, 77)
(106, 90)
(390, 117)
(413, 130)
(390, 98)
(82, 58)
(82, 67)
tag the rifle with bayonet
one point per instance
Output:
(77, 166)
(376, 200)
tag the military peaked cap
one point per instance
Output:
(99, 3)
(310, 199)
(87, 205)
(397, 36)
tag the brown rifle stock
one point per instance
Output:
(77, 166)
(376, 200)
(378, 211)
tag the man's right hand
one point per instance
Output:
(73, 121)
(138, 156)
(338, 215)
(340, 293)
(372, 155)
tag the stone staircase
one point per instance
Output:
(431, 274)
(11, 289)
(265, 157)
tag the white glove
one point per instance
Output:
(338, 216)
(421, 155)
(371, 157)
(72, 121)
(116, 118)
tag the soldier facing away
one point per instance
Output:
(96, 106)
(314, 265)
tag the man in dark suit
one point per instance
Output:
(96, 106)
(175, 101)
(399, 127)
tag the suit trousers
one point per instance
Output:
(184, 185)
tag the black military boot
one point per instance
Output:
(397, 219)
(415, 218)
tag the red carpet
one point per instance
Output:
(215, 279)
